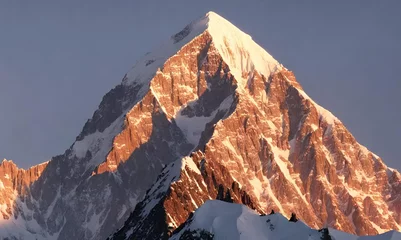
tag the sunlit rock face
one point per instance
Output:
(16, 182)
(270, 144)
(208, 110)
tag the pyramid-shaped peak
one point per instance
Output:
(237, 48)
(212, 21)
(213, 14)
(216, 19)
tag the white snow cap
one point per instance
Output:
(237, 49)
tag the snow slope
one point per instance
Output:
(235, 221)
(237, 48)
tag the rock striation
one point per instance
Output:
(209, 109)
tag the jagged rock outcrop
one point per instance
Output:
(209, 108)
(276, 149)
(16, 182)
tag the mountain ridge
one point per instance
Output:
(175, 109)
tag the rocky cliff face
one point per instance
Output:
(209, 109)
(274, 148)
(16, 182)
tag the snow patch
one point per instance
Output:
(22, 226)
(98, 143)
(193, 127)
(188, 162)
(314, 127)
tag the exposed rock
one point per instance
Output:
(277, 149)
(209, 109)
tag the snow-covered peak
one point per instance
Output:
(237, 49)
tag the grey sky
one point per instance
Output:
(57, 60)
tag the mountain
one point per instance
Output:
(207, 113)
(220, 220)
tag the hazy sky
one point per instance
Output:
(57, 60)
